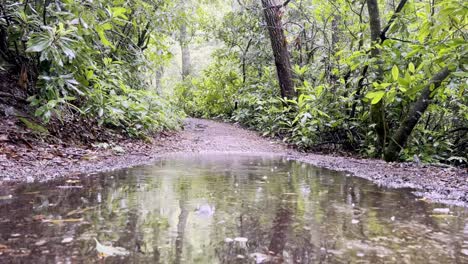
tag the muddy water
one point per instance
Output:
(226, 209)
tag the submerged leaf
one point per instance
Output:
(109, 250)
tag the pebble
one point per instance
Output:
(67, 240)
(40, 242)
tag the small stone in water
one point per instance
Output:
(392, 218)
(264, 178)
(240, 256)
(464, 251)
(40, 242)
(15, 235)
(228, 240)
(354, 221)
(360, 254)
(67, 240)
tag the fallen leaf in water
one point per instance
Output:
(73, 181)
(109, 250)
(442, 215)
(2, 246)
(441, 210)
(70, 186)
(80, 211)
(59, 221)
(31, 192)
(6, 197)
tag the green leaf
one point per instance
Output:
(38, 44)
(395, 73)
(375, 96)
(103, 38)
(411, 67)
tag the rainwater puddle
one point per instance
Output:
(226, 209)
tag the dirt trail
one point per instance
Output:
(447, 185)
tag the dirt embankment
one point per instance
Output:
(44, 161)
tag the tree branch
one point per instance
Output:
(400, 6)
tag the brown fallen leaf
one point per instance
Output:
(80, 211)
(31, 192)
(60, 221)
(70, 186)
(73, 181)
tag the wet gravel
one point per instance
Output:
(433, 184)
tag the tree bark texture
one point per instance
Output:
(377, 110)
(273, 10)
(399, 140)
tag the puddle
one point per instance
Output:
(226, 209)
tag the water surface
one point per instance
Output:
(226, 209)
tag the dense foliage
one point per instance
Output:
(379, 78)
(92, 59)
(343, 77)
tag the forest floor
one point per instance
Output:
(38, 161)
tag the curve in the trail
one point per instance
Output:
(446, 185)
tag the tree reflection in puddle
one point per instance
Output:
(226, 209)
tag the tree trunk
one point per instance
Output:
(184, 41)
(377, 110)
(334, 62)
(273, 10)
(184, 45)
(399, 140)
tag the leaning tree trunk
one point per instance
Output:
(399, 140)
(273, 10)
(377, 110)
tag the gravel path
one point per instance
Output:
(445, 185)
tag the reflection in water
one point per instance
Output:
(225, 209)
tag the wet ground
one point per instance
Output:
(223, 208)
(42, 163)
